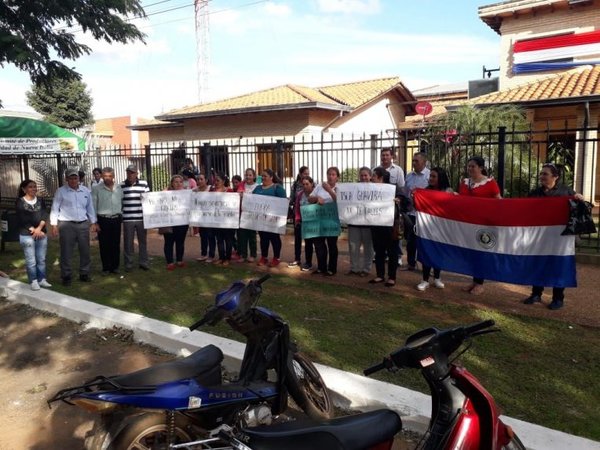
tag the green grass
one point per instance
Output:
(540, 371)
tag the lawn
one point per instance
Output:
(540, 371)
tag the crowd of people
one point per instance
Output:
(112, 209)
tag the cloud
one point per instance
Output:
(118, 53)
(277, 9)
(349, 6)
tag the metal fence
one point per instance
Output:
(513, 157)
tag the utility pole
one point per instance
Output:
(202, 47)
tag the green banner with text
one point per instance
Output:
(320, 220)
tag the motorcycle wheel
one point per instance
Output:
(143, 431)
(308, 389)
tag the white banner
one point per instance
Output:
(366, 203)
(264, 213)
(215, 209)
(166, 208)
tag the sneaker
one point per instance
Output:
(306, 268)
(144, 268)
(35, 286)
(171, 267)
(294, 264)
(438, 283)
(250, 259)
(85, 278)
(202, 258)
(181, 264)
(422, 285)
(274, 262)
(556, 304)
(262, 261)
(44, 283)
(532, 299)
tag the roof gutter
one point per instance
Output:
(269, 108)
(549, 102)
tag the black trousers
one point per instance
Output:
(267, 238)
(558, 293)
(177, 238)
(327, 253)
(385, 245)
(109, 242)
(297, 241)
(411, 240)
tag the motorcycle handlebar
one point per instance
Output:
(376, 368)
(262, 279)
(198, 324)
(474, 328)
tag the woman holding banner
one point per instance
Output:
(176, 234)
(247, 238)
(294, 213)
(271, 188)
(550, 187)
(224, 236)
(478, 184)
(308, 186)
(438, 181)
(208, 244)
(360, 236)
(385, 239)
(326, 246)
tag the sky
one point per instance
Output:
(254, 45)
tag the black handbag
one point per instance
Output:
(580, 218)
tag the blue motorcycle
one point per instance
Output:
(187, 399)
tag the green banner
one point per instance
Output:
(21, 135)
(320, 220)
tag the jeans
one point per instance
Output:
(177, 238)
(35, 257)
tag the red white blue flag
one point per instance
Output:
(511, 240)
(556, 52)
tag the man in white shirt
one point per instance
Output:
(417, 179)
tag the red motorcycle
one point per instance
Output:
(464, 415)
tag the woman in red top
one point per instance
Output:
(478, 184)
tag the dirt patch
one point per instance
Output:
(40, 354)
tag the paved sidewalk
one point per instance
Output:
(582, 305)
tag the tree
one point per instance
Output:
(469, 131)
(31, 31)
(65, 103)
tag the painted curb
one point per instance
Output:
(349, 390)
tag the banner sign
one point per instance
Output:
(13, 146)
(264, 213)
(366, 203)
(215, 209)
(320, 220)
(166, 208)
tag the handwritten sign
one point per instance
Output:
(320, 220)
(264, 213)
(366, 203)
(166, 208)
(215, 209)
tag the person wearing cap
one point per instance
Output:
(108, 203)
(71, 218)
(133, 219)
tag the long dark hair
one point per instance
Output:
(300, 176)
(382, 173)
(480, 162)
(273, 175)
(23, 185)
(443, 180)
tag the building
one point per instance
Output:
(114, 132)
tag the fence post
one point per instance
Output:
(374, 156)
(148, 161)
(61, 176)
(501, 157)
(206, 161)
(279, 158)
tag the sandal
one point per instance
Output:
(376, 280)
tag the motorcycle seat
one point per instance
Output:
(344, 433)
(204, 365)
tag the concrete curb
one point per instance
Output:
(349, 390)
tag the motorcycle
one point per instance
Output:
(184, 399)
(464, 415)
